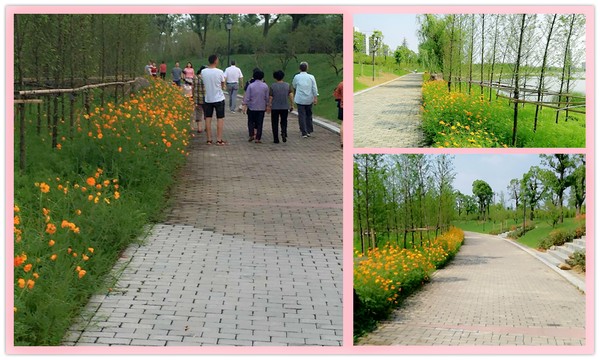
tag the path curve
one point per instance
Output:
(492, 293)
(389, 115)
(250, 253)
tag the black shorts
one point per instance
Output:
(341, 114)
(218, 106)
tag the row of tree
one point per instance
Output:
(380, 51)
(533, 57)
(193, 35)
(57, 50)
(543, 188)
(402, 197)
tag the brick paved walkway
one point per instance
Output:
(389, 115)
(492, 293)
(250, 252)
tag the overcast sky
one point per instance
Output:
(394, 27)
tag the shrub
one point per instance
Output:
(520, 231)
(557, 238)
(578, 259)
(384, 276)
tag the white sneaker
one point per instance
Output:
(308, 134)
(305, 136)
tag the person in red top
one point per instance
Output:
(153, 69)
(338, 95)
(163, 70)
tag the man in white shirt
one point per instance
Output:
(233, 77)
(214, 98)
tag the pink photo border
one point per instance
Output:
(347, 347)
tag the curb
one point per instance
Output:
(387, 82)
(580, 285)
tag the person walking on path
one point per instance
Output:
(255, 103)
(188, 73)
(148, 67)
(163, 70)
(153, 69)
(198, 94)
(306, 92)
(338, 95)
(214, 99)
(233, 77)
(281, 99)
(176, 74)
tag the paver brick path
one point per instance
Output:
(389, 115)
(250, 253)
(492, 293)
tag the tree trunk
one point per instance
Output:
(517, 69)
(565, 65)
(451, 51)
(471, 52)
(542, 73)
(494, 55)
(482, 51)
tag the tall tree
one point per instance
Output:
(532, 189)
(559, 177)
(543, 70)
(483, 191)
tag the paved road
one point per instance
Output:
(491, 294)
(389, 115)
(250, 252)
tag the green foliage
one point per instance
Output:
(520, 231)
(578, 259)
(78, 205)
(456, 119)
(557, 238)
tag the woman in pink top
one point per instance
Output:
(188, 73)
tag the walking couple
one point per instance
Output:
(278, 99)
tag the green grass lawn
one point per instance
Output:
(318, 65)
(484, 227)
(531, 238)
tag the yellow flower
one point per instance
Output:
(85, 257)
(91, 250)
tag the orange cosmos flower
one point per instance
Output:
(85, 257)
(27, 267)
(50, 228)
(35, 275)
(58, 146)
(117, 195)
(44, 188)
(30, 284)
(91, 250)
(91, 181)
(17, 220)
(16, 209)
(53, 257)
(21, 283)
(19, 260)
(51, 242)
(90, 197)
(81, 273)
(78, 212)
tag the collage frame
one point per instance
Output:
(347, 347)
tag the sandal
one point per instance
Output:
(221, 142)
(209, 142)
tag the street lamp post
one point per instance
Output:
(228, 25)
